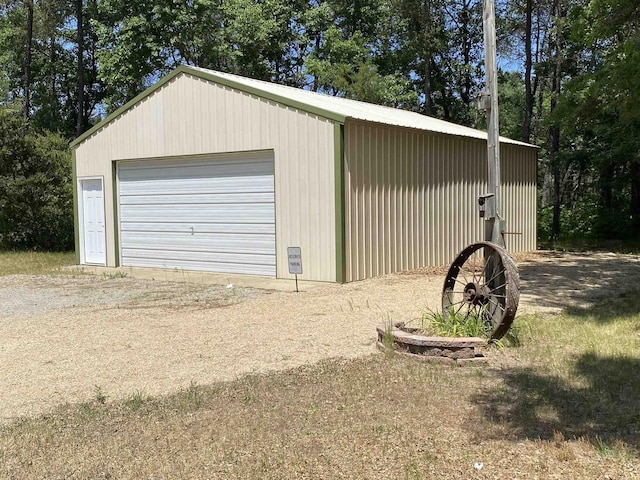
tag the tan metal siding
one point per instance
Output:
(190, 116)
(518, 168)
(410, 197)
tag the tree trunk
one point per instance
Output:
(547, 182)
(27, 62)
(528, 92)
(635, 194)
(607, 173)
(557, 199)
(465, 94)
(52, 80)
(427, 53)
(554, 129)
(80, 124)
(446, 111)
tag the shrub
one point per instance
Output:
(36, 195)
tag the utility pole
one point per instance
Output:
(488, 101)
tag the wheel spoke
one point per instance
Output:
(487, 262)
(456, 303)
(460, 308)
(483, 263)
(495, 276)
(495, 302)
(499, 286)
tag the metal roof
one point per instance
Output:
(335, 108)
(357, 110)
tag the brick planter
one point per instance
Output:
(409, 342)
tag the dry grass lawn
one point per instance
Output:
(375, 417)
(34, 263)
(565, 404)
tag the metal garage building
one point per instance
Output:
(214, 172)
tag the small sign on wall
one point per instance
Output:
(294, 255)
(295, 260)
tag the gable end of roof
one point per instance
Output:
(212, 77)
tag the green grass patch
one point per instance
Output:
(34, 263)
(469, 324)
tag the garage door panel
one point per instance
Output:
(225, 261)
(198, 266)
(254, 213)
(212, 242)
(196, 185)
(215, 214)
(195, 198)
(204, 167)
(159, 172)
(239, 228)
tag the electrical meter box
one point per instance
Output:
(487, 205)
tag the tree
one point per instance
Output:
(27, 63)
(350, 52)
(425, 39)
(601, 108)
(36, 201)
(528, 66)
(80, 125)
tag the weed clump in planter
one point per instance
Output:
(434, 323)
(451, 337)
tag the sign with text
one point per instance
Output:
(295, 260)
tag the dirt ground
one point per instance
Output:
(64, 338)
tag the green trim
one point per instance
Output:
(76, 218)
(227, 82)
(125, 107)
(116, 229)
(212, 77)
(341, 257)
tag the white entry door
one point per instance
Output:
(93, 232)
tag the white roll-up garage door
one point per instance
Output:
(215, 214)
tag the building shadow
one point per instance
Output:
(603, 404)
(584, 284)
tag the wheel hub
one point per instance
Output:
(476, 294)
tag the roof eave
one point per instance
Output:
(503, 140)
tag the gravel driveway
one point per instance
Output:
(62, 337)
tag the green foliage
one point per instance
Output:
(36, 197)
(99, 395)
(345, 58)
(260, 39)
(599, 113)
(452, 324)
(510, 86)
(387, 336)
(137, 400)
(53, 84)
(420, 55)
(515, 335)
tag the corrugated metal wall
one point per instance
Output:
(190, 116)
(410, 197)
(519, 196)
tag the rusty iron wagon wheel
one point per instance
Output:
(483, 281)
